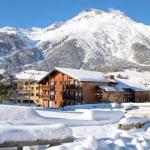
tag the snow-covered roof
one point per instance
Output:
(30, 75)
(107, 88)
(123, 85)
(132, 78)
(83, 75)
(80, 75)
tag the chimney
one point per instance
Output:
(111, 77)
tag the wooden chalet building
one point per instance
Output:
(65, 86)
(107, 94)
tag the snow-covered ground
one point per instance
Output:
(94, 127)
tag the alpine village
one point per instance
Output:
(66, 86)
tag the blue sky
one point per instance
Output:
(41, 13)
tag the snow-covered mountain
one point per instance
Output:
(94, 39)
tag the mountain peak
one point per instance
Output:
(93, 10)
(89, 13)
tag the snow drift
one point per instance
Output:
(92, 106)
(33, 133)
(108, 115)
(20, 115)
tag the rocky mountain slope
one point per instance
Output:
(94, 40)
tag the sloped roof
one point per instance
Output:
(122, 84)
(80, 75)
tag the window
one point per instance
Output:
(76, 94)
(52, 83)
(44, 92)
(52, 96)
(37, 94)
(26, 83)
(76, 83)
(61, 82)
(32, 94)
(52, 93)
(37, 101)
(37, 88)
(55, 82)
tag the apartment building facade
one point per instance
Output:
(28, 91)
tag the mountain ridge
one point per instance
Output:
(94, 40)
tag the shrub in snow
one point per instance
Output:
(122, 77)
(96, 114)
(132, 122)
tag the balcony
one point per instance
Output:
(45, 96)
(52, 87)
(45, 87)
(70, 97)
(73, 86)
(23, 91)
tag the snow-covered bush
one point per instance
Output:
(122, 77)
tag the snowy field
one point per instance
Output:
(94, 127)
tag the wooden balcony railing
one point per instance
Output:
(45, 96)
(73, 86)
(76, 98)
(45, 87)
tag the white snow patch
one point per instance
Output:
(10, 114)
(31, 133)
(31, 74)
(107, 115)
(92, 106)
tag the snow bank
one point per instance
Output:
(33, 133)
(112, 115)
(91, 106)
(91, 143)
(20, 115)
(134, 120)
